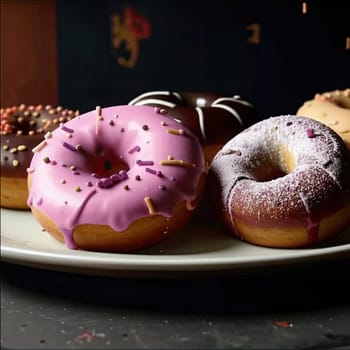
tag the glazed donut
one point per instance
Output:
(213, 118)
(121, 179)
(283, 182)
(331, 108)
(22, 128)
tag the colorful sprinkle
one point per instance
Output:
(134, 149)
(310, 133)
(154, 172)
(144, 162)
(176, 131)
(115, 178)
(69, 146)
(150, 205)
(123, 174)
(39, 147)
(77, 189)
(108, 182)
(151, 171)
(177, 162)
(15, 163)
(21, 148)
(105, 183)
(46, 160)
(66, 129)
(145, 127)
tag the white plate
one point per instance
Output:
(203, 247)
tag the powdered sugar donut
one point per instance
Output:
(283, 182)
(213, 118)
(116, 179)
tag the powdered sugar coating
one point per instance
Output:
(318, 175)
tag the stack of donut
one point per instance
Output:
(213, 118)
(22, 128)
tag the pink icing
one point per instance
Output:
(73, 180)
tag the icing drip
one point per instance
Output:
(312, 228)
(100, 181)
(312, 224)
(69, 226)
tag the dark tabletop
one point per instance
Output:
(294, 307)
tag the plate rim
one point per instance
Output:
(97, 260)
(133, 262)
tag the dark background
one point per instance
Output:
(204, 46)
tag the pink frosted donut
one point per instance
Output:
(116, 179)
(283, 182)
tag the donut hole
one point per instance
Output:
(268, 172)
(111, 166)
(105, 163)
(275, 165)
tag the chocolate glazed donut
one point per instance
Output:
(22, 128)
(213, 118)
